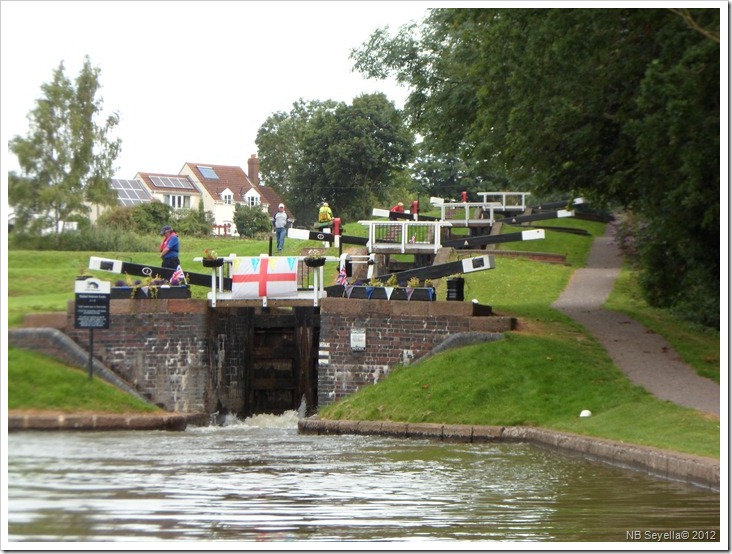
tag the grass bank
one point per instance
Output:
(38, 382)
(543, 375)
(543, 380)
(548, 372)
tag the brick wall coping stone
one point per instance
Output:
(53, 421)
(666, 464)
(461, 339)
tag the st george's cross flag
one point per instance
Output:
(262, 276)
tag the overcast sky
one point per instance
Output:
(192, 81)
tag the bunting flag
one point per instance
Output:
(274, 277)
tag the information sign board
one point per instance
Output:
(92, 304)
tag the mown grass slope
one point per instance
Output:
(544, 374)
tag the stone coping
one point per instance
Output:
(675, 466)
(54, 421)
(666, 464)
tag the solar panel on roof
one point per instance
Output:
(130, 191)
(171, 182)
(207, 172)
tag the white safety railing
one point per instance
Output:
(404, 236)
(459, 212)
(507, 200)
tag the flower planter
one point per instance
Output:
(218, 262)
(161, 293)
(314, 262)
(424, 294)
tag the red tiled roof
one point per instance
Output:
(230, 176)
(234, 178)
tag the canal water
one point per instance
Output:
(259, 480)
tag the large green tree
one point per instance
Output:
(350, 156)
(67, 158)
(617, 105)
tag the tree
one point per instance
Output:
(349, 156)
(279, 144)
(251, 220)
(67, 158)
(618, 105)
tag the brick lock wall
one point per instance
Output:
(396, 333)
(187, 357)
(158, 346)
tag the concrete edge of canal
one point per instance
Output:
(675, 466)
(667, 464)
(53, 421)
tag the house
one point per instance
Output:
(218, 187)
(223, 187)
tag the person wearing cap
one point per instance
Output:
(169, 247)
(280, 221)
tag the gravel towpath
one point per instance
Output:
(647, 358)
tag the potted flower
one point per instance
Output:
(314, 258)
(148, 287)
(211, 259)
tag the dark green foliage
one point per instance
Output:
(149, 218)
(618, 105)
(90, 239)
(142, 218)
(251, 221)
(348, 156)
(193, 223)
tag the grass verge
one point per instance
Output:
(543, 375)
(38, 382)
(534, 380)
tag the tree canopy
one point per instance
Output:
(350, 156)
(618, 105)
(67, 158)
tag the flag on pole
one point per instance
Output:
(274, 277)
(342, 278)
(178, 276)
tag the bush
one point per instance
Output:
(193, 223)
(251, 221)
(99, 239)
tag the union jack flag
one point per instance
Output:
(342, 278)
(178, 276)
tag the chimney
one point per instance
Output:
(253, 169)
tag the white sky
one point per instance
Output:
(192, 81)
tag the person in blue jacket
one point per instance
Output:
(169, 247)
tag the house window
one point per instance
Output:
(178, 201)
(228, 198)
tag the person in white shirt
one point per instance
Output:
(280, 221)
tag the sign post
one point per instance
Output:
(92, 309)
